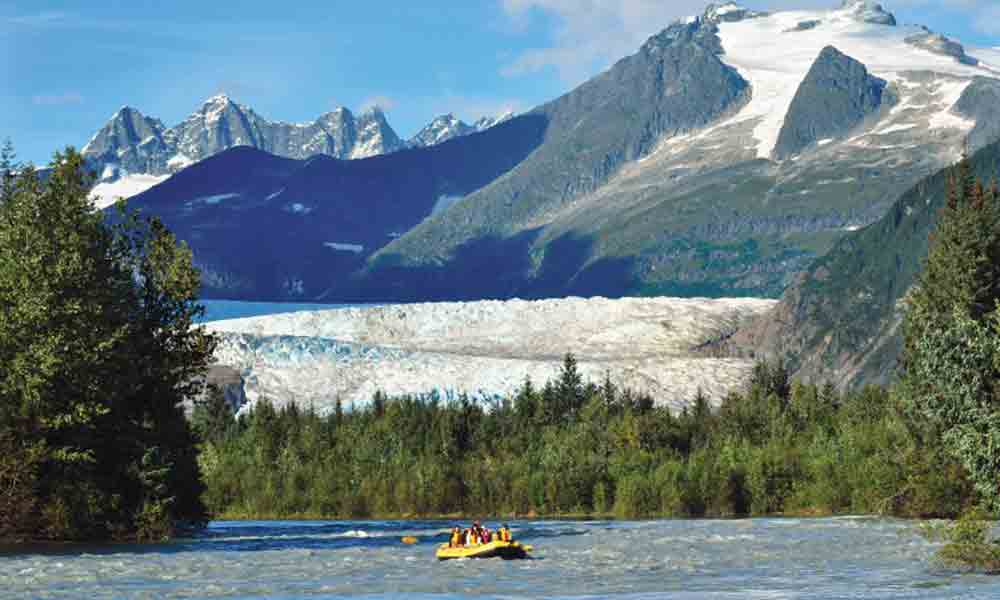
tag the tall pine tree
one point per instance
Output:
(951, 362)
(98, 350)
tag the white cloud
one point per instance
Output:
(57, 99)
(385, 103)
(592, 34)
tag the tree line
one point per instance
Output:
(573, 448)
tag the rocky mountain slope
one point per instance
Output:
(484, 349)
(267, 227)
(840, 320)
(723, 157)
(132, 152)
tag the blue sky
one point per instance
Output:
(67, 66)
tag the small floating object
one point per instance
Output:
(505, 550)
(409, 539)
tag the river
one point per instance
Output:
(686, 559)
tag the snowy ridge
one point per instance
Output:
(775, 56)
(131, 143)
(446, 127)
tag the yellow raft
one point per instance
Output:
(505, 550)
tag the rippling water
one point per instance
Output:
(765, 558)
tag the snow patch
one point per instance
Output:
(444, 201)
(949, 92)
(217, 198)
(895, 128)
(341, 247)
(179, 161)
(106, 194)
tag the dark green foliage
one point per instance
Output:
(776, 448)
(97, 351)
(951, 355)
(967, 543)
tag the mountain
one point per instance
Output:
(132, 152)
(446, 127)
(840, 321)
(721, 159)
(267, 227)
(834, 99)
(732, 150)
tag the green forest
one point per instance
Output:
(570, 448)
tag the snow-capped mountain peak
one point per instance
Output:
(868, 11)
(441, 129)
(728, 12)
(445, 127)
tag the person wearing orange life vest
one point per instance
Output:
(505, 535)
(456, 538)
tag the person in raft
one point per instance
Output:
(477, 534)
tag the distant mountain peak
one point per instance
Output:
(220, 98)
(868, 11)
(729, 12)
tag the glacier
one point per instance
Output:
(485, 349)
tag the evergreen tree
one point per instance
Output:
(951, 364)
(8, 168)
(569, 389)
(98, 350)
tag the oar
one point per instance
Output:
(409, 539)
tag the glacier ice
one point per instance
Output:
(485, 349)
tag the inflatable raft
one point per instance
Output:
(505, 550)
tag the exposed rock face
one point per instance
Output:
(132, 142)
(939, 44)
(836, 96)
(806, 25)
(868, 11)
(840, 321)
(980, 102)
(226, 379)
(485, 349)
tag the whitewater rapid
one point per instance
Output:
(835, 558)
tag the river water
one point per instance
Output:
(761, 558)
